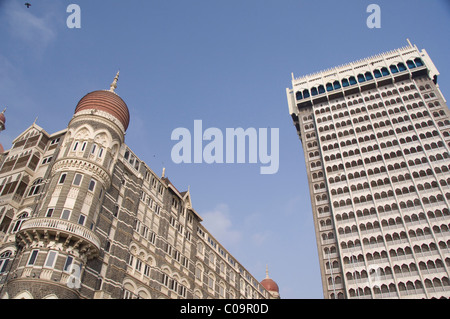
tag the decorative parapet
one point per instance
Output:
(362, 74)
(401, 54)
(42, 228)
(101, 115)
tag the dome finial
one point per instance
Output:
(113, 85)
(267, 271)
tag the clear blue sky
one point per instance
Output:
(226, 63)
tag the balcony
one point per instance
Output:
(12, 197)
(41, 228)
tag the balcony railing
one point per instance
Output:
(65, 226)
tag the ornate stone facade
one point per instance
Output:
(81, 216)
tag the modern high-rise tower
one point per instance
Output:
(376, 140)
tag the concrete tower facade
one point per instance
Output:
(376, 140)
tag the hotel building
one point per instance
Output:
(376, 140)
(82, 216)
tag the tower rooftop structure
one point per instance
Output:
(376, 135)
(360, 75)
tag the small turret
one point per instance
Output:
(270, 285)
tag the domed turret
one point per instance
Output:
(80, 176)
(270, 285)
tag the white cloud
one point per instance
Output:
(218, 223)
(7, 73)
(260, 238)
(36, 32)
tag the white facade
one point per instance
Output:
(376, 140)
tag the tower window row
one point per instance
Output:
(372, 97)
(360, 78)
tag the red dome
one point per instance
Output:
(106, 101)
(270, 285)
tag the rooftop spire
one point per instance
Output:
(113, 85)
(409, 42)
(267, 271)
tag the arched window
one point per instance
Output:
(336, 85)
(211, 280)
(94, 147)
(321, 89)
(305, 94)
(22, 217)
(298, 95)
(345, 83)
(418, 61)
(314, 91)
(377, 73)
(5, 257)
(384, 71)
(393, 68)
(361, 78)
(100, 152)
(410, 64)
(35, 187)
(368, 76)
(222, 290)
(329, 87)
(401, 67)
(199, 271)
(352, 80)
(200, 248)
